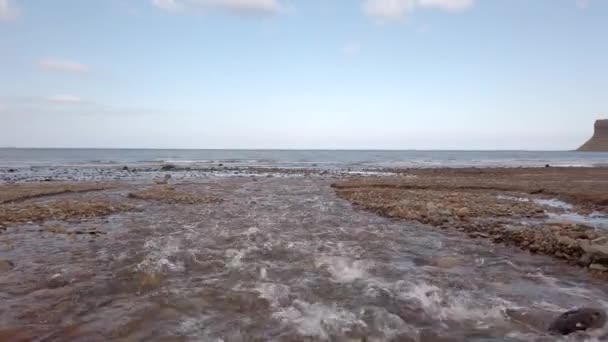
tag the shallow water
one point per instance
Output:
(281, 259)
(566, 212)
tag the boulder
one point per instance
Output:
(578, 320)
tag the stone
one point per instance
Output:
(6, 265)
(598, 253)
(463, 212)
(598, 267)
(585, 260)
(600, 240)
(578, 320)
(564, 240)
(168, 167)
(447, 262)
(476, 235)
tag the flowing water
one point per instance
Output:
(281, 259)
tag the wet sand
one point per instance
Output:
(286, 257)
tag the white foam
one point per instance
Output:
(252, 230)
(273, 293)
(318, 320)
(554, 203)
(234, 258)
(513, 198)
(343, 269)
(595, 220)
(389, 325)
(454, 306)
(160, 250)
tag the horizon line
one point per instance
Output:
(285, 149)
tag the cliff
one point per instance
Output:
(599, 141)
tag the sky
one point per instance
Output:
(305, 74)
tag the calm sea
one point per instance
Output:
(327, 159)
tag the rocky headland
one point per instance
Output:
(599, 141)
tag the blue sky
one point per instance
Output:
(377, 74)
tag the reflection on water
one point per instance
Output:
(284, 260)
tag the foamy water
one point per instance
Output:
(281, 259)
(596, 220)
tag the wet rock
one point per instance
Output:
(578, 320)
(600, 240)
(476, 235)
(125, 168)
(447, 262)
(597, 252)
(463, 212)
(6, 265)
(168, 167)
(598, 267)
(585, 260)
(57, 281)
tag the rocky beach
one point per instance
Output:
(271, 254)
(558, 212)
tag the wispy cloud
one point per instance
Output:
(351, 49)
(64, 99)
(583, 4)
(391, 10)
(240, 7)
(65, 65)
(167, 5)
(447, 5)
(8, 11)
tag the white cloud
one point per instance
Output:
(8, 11)
(64, 99)
(241, 7)
(390, 10)
(56, 64)
(167, 5)
(351, 49)
(447, 5)
(583, 4)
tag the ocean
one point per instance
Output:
(323, 159)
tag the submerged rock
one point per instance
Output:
(578, 320)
